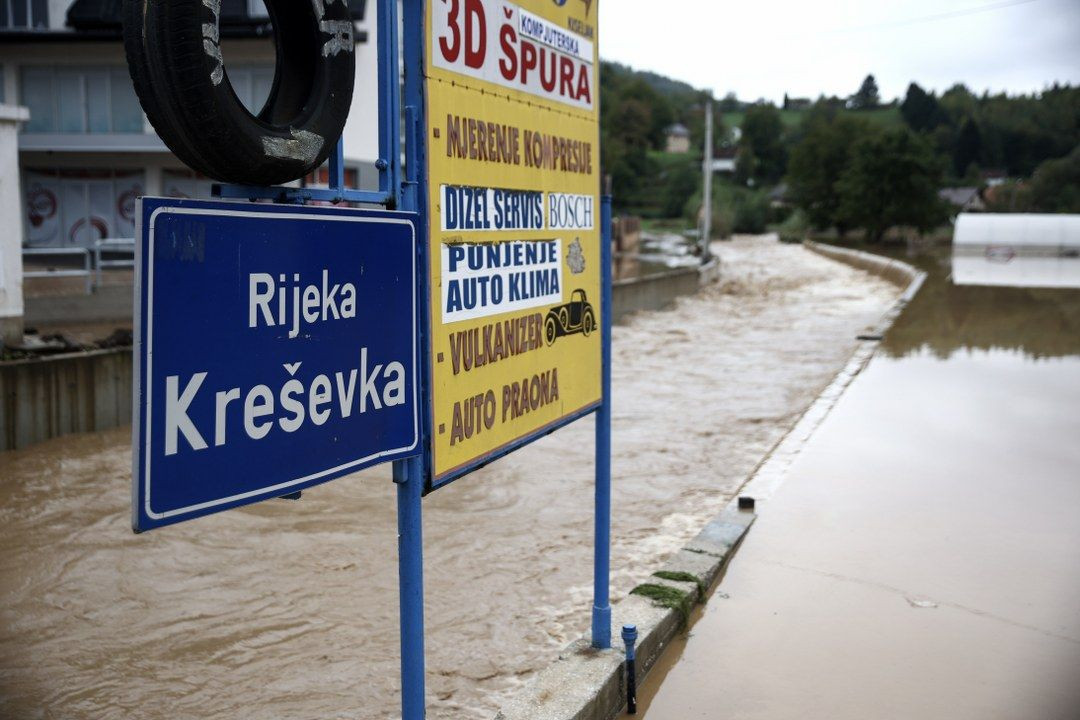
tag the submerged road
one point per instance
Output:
(289, 609)
(922, 558)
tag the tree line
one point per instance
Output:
(851, 163)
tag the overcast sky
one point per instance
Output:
(764, 48)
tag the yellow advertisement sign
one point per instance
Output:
(513, 136)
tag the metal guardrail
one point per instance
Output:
(54, 273)
(113, 245)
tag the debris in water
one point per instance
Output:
(921, 603)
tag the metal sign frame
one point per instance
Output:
(389, 162)
(418, 471)
(407, 193)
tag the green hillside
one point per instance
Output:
(884, 117)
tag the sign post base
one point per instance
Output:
(409, 477)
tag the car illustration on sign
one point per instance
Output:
(576, 316)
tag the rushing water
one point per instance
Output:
(289, 609)
(922, 558)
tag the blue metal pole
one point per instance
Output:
(336, 171)
(601, 614)
(410, 485)
(389, 162)
(409, 473)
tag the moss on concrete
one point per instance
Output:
(667, 597)
(679, 576)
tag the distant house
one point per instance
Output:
(963, 199)
(724, 159)
(678, 138)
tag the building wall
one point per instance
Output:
(361, 134)
(49, 397)
(678, 144)
(80, 186)
(11, 296)
(58, 13)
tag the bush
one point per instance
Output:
(1055, 188)
(751, 213)
(679, 183)
(723, 218)
(795, 228)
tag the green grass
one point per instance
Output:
(789, 118)
(886, 116)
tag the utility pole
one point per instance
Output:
(707, 171)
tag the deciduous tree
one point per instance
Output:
(1055, 187)
(892, 180)
(819, 161)
(762, 140)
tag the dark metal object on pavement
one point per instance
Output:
(629, 636)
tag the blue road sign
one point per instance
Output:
(276, 349)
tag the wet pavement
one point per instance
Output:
(289, 609)
(922, 558)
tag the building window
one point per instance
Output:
(80, 100)
(20, 14)
(252, 85)
(70, 207)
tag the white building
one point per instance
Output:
(87, 150)
(678, 139)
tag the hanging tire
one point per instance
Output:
(174, 56)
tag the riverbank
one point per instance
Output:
(290, 609)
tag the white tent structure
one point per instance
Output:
(1023, 250)
(1048, 233)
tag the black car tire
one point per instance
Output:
(551, 330)
(174, 57)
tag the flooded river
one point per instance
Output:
(289, 609)
(922, 557)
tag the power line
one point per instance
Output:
(935, 17)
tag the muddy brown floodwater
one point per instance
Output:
(922, 557)
(289, 609)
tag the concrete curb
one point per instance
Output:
(898, 273)
(589, 684)
(710, 271)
